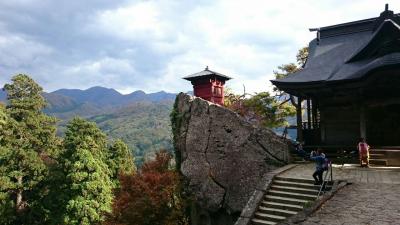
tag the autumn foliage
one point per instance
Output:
(261, 108)
(150, 196)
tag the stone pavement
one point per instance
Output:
(373, 198)
(351, 173)
(360, 203)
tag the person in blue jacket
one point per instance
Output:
(319, 159)
(300, 151)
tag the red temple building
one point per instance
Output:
(208, 85)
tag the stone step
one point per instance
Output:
(298, 180)
(299, 185)
(277, 205)
(277, 212)
(292, 195)
(382, 151)
(307, 191)
(300, 162)
(285, 200)
(269, 217)
(292, 179)
(297, 157)
(386, 147)
(377, 156)
(380, 162)
(262, 222)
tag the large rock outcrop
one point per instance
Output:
(222, 157)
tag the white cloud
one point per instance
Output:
(150, 45)
(104, 72)
(17, 52)
(137, 21)
(249, 39)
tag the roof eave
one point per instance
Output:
(224, 78)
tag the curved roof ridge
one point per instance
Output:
(363, 51)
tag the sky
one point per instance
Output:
(150, 45)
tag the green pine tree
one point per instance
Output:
(30, 140)
(120, 159)
(268, 110)
(88, 188)
(7, 205)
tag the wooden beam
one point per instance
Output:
(383, 101)
(299, 120)
(363, 123)
(314, 113)
(322, 127)
(309, 113)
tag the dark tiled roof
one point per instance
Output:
(206, 73)
(349, 51)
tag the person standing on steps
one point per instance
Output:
(319, 159)
(363, 152)
(300, 151)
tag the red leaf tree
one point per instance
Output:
(149, 197)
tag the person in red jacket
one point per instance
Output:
(363, 151)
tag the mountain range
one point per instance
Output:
(64, 103)
(109, 96)
(140, 119)
(102, 96)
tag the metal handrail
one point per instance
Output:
(323, 185)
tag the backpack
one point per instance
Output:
(325, 164)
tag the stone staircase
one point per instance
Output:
(297, 159)
(285, 198)
(385, 156)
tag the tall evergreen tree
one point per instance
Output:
(120, 159)
(31, 141)
(88, 189)
(7, 205)
(25, 106)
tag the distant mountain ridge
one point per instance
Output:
(109, 96)
(95, 98)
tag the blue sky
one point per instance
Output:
(149, 45)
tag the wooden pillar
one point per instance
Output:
(363, 123)
(314, 113)
(299, 120)
(322, 127)
(308, 113)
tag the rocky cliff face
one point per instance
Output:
(222, 157)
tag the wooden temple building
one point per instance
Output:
(208, 85)
(350, 84)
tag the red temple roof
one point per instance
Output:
(206, 73)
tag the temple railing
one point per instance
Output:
(310, 126)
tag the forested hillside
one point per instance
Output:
(140, 119)
(144, 126)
